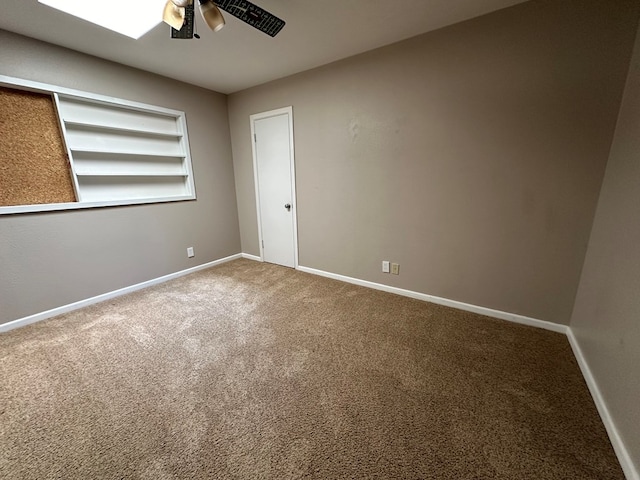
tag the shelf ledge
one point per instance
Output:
(113, 128)
(127, 154)
(131, 174)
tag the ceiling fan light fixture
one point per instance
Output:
(173, 15)
(211, 15)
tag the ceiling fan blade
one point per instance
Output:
(253, 15)
(173, 15)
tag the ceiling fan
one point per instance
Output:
(179, 14)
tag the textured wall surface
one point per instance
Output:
(473, 155)
(53, 259)
(606, 318)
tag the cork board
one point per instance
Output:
(33, 162)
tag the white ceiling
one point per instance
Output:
(317, 32)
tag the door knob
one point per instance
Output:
(288, 207)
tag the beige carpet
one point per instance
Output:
(254, 371)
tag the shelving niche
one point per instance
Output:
(121, 153)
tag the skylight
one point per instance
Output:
(132, 19)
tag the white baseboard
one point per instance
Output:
(624, 458)
(251, 257)
(21, 322)
(511, 317)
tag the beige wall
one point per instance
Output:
(606, 317)
(53, 259)
(472, 155)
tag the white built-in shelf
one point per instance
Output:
(106, 153)
(119, 129)
(124, 151)
(107, 174)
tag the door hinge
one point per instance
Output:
(262, 243)
(255, 138)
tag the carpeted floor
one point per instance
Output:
(254, 371)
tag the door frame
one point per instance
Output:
(294, 200)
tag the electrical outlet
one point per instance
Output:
(395, 269)
(385, 266)
(190, 252)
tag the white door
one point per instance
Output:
(275, 189)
